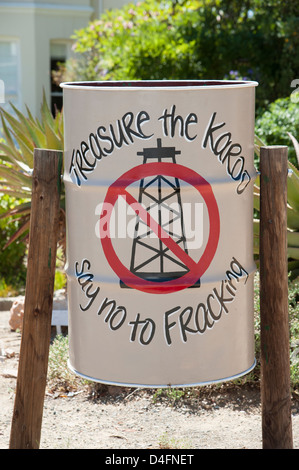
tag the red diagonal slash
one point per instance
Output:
(158, 230)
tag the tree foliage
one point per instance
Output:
(12, 268)
(193, 39)
(280, 119)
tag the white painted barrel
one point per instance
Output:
(159, 203)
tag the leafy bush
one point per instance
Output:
(281, 117)
(187, 39)
(279, 125)
(22, 134)
(292, 211)
(12, 267)
(59, 377)
(136, 42)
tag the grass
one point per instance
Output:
(169, 442)
(60, 378)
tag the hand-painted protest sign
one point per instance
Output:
(159, 188)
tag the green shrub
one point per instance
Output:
(12, 268)
(136, 42)
(22, 134)
(191, 39)
(60, 377)
(272, 127)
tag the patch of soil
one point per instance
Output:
(108, 417)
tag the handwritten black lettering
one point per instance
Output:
(205, 315)
(170, 121)
(228, 153)
(202, 312)
(184, 323)
(113, 313)
(167, 325)
(188, 320)
(122, 132)
(236, 271)
(147, 324)
(85, 279)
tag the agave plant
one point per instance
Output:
(22, 134)
(292, 211)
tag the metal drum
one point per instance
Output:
(159, 203)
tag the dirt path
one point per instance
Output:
(225, 418)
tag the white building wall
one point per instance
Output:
(101, 5)
(33, 25)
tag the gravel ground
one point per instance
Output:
(226, 417)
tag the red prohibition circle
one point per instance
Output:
(197, 269)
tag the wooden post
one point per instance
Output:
(275, 355)
(36, 331)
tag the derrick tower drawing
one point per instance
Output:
(160, 195)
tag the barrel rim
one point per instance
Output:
(162, 85)
(162, 385)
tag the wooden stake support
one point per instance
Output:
(275, 356)
(36, 331)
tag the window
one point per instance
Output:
(58, 55)
(10, 72)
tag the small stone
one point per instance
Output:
(9, 353)
(16, 315)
